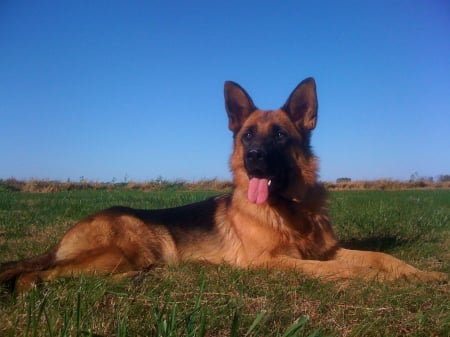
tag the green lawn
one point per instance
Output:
(202, 300)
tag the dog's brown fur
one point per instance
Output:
(287, 229)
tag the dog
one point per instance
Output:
(276, 216)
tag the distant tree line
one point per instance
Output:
(440, 178)
(414, 178)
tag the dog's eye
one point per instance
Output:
(248, 135)
(280, 135)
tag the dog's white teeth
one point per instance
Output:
(269, 182)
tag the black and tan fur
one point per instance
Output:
(290, 229)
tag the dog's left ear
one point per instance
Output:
(302, 105)
(238, 104)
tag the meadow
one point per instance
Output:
(204, 300)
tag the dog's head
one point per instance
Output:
(272, 156)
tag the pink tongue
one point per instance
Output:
(258, 190)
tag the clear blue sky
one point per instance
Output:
(114, 89)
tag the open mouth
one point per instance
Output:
(258, 190)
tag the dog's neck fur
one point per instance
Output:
(303, 220)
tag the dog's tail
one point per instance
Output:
(11, 271)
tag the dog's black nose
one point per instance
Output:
(256, 162)
(256, 155)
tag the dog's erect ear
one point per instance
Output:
(302, 105)
(238, 104)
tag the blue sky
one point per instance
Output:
(134, 89)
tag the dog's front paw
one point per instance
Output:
(426, 276)
(433, 276)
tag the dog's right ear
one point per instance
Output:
(302, 105)
(238, 104)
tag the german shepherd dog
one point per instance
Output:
(276, 216)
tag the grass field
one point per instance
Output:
(202, 300)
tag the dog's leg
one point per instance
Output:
(105, 262)
(331, 270)
(391, 267)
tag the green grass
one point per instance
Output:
(203, 300)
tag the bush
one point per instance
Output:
(343, 180)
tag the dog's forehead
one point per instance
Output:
(264, 120)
